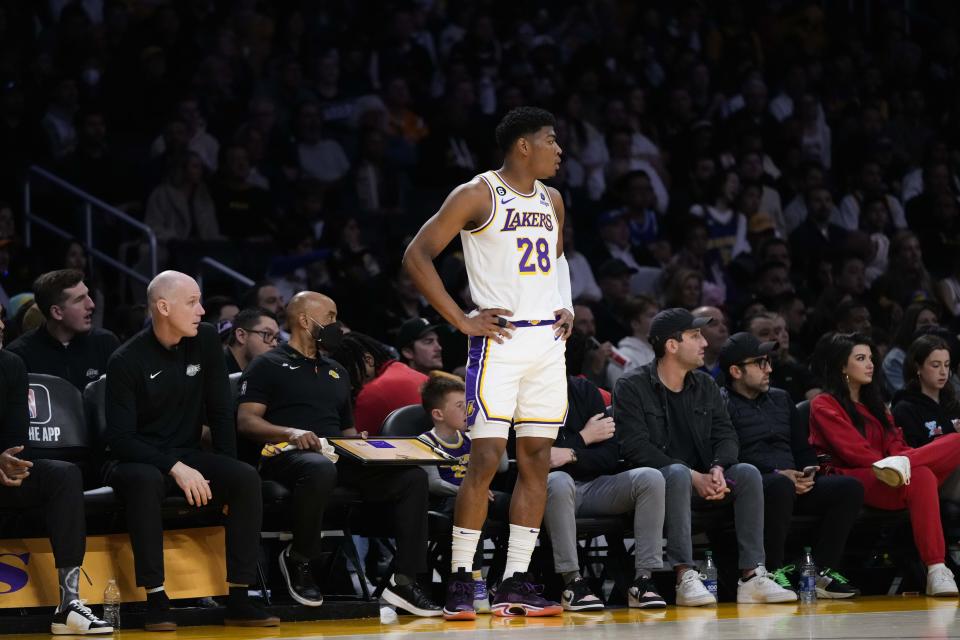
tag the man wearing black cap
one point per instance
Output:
(419, 345)
(672, 417)
(775, 441)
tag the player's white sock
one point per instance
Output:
(523, 540)
(463, 549)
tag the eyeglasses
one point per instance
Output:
(268, 337)
(762, 363)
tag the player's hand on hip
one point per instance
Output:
(489, 323)
(563, 327)
(194, 486)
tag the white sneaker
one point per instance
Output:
(940, 581)
(691, 591)
(893, 471)
(762, 589)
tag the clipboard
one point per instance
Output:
(390, 450)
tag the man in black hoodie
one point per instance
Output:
(584, 482)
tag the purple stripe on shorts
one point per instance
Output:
(475, 346)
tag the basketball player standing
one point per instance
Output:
(510, 225)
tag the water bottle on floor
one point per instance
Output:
(111, 604)
(710, 573)
(808, 578)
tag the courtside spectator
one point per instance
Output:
(585, 481)
(773, 440)
(671, 417)
(851, 424)
(66, 345)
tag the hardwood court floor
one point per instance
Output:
(871, 617)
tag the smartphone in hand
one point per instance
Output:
(808, 472)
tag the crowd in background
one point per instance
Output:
(793, 158)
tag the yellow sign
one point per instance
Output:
(194, 561)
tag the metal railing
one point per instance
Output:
(218, 266)
(91, 204)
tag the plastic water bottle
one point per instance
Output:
(710, 574)
(808, 578)
(111, 604)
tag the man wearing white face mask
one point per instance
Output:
(291, 399)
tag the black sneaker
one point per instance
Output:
(642, 594)
(299, 579)
(77, 620)
(577, 596)
(245, 612)
(519, 596)
(158, 616)
(461, 592)
(833, 586)
(410, 597)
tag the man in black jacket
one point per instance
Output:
(671, 417)
(775, 442)
(52, 485)
(162, 386)
(65, 345)
(584, 482)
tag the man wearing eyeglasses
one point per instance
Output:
(774, 440)
(254, 331)
(671, 417)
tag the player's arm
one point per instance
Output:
(467, 206)
(563, 327)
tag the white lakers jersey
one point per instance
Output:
(511, 258)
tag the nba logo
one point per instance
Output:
(32, 404)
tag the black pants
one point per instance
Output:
(57, 488)
(310, 478)
(401, 491)
(142, 488)
(836, 499)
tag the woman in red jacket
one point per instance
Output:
(851, 424)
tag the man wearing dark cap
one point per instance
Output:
(774, 440)
(672, 417)
(419, 345)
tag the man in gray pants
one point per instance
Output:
(672, 417)
(584, 482)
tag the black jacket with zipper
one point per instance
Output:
(643, 427)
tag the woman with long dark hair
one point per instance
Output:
(850, 424)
